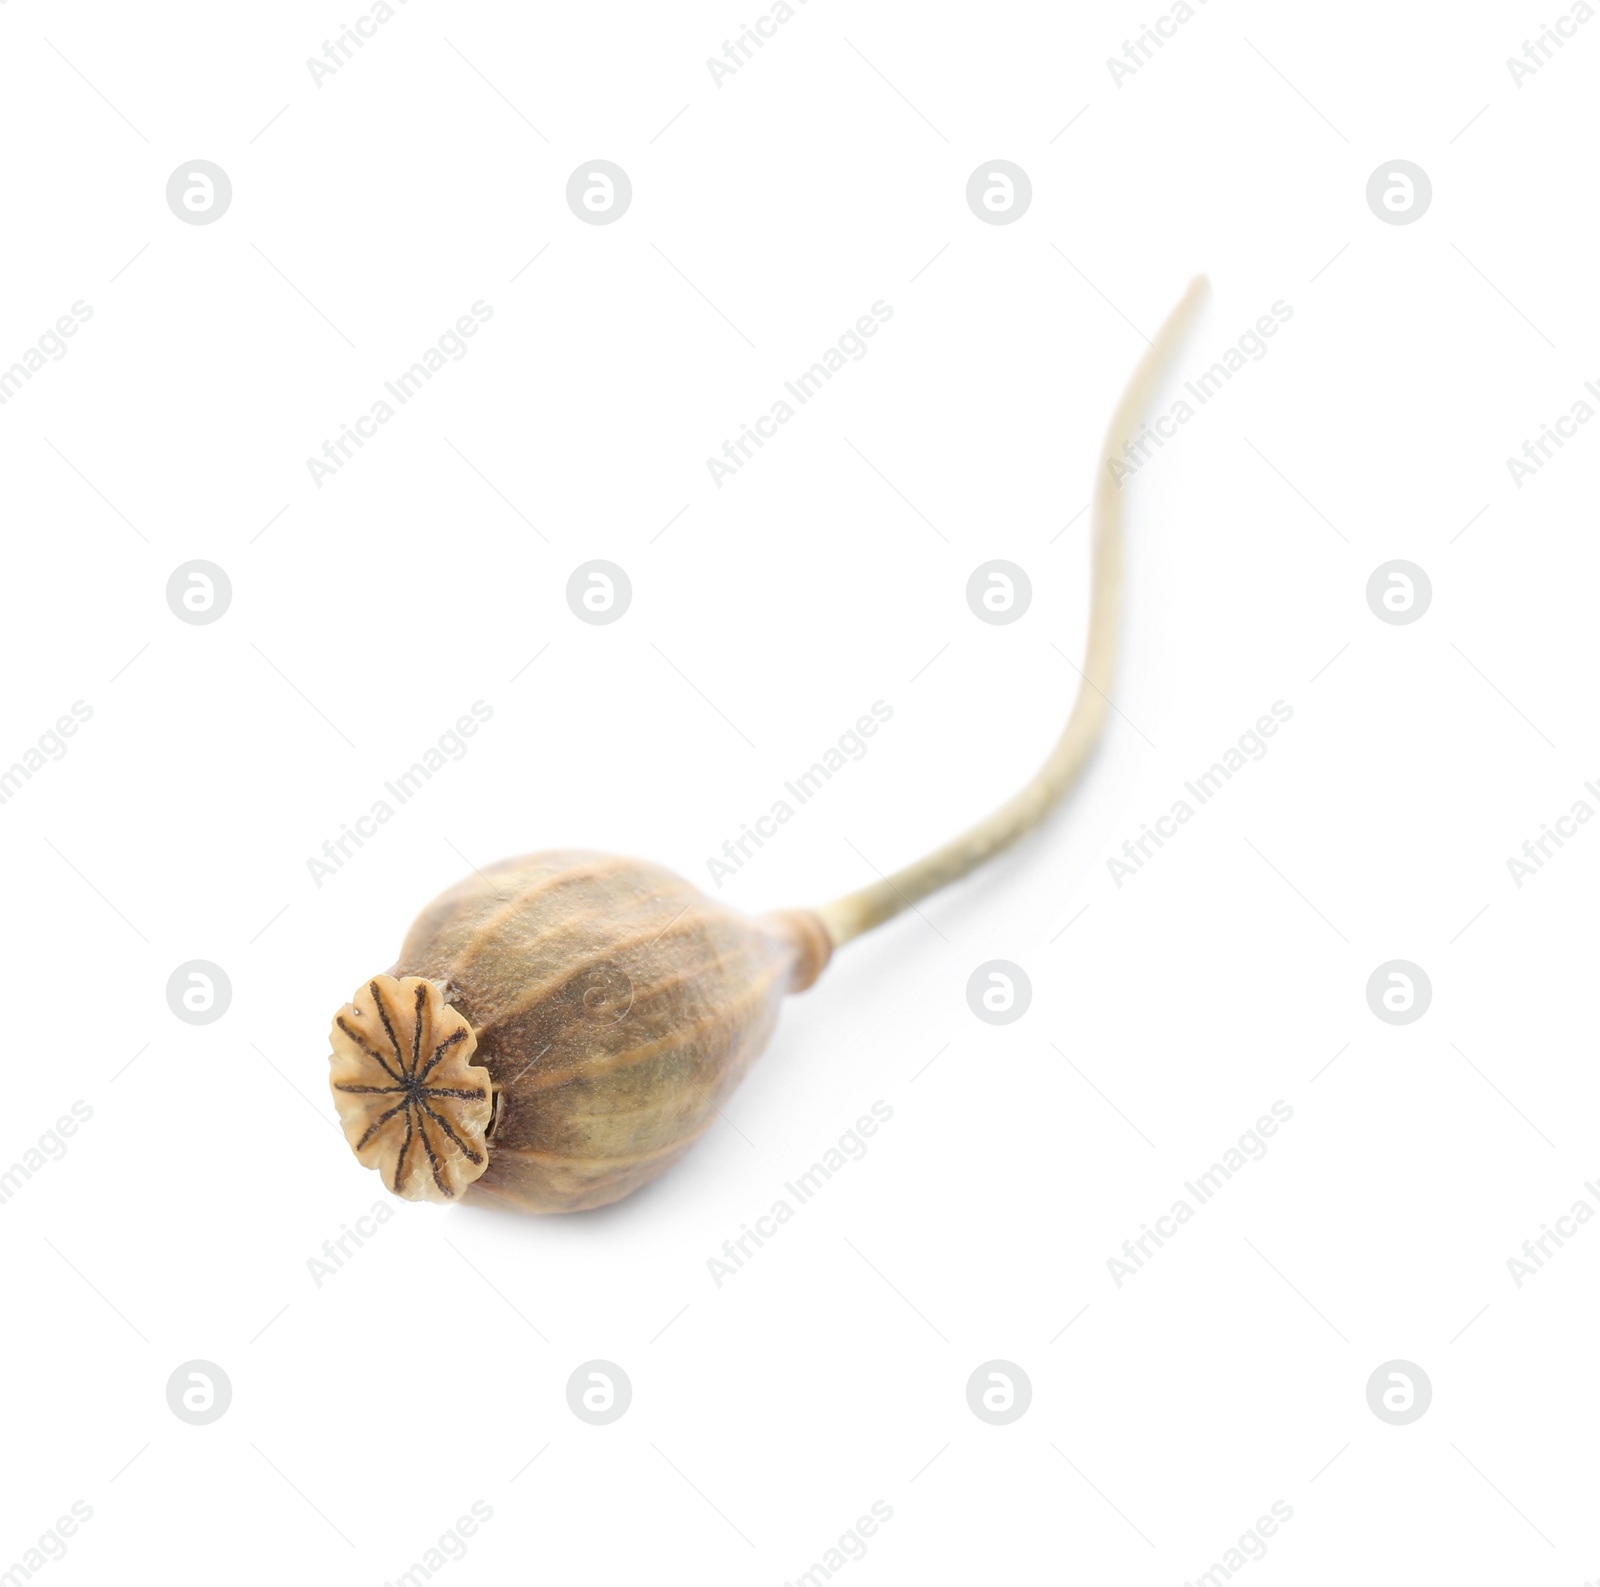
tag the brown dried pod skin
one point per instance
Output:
(614, 1007)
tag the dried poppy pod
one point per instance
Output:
(561, 1028)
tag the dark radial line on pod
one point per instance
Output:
(450, 1041)
(445, 1125)
(433, 1158)
(371, 1052)
(378, 1123)
(400, 1161)
(416, 1028)
(388, 1024)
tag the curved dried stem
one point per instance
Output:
(857, 912)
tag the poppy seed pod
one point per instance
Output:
(559, 1030)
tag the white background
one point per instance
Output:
(829, 172)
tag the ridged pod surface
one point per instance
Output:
(613, 1006)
